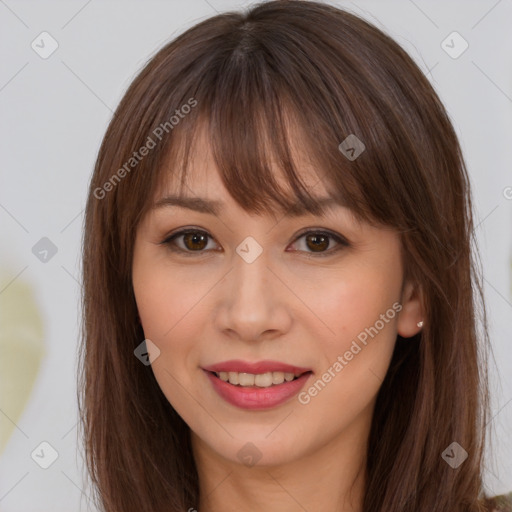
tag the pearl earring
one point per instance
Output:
(420, 323)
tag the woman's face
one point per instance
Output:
(263, 299)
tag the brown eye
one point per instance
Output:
(317, 242)
(321, 243)
(188, 241)
(195, 240)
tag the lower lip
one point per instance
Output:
(255, 397)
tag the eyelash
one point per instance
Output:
(342, 242)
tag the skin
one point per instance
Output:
(292, 305)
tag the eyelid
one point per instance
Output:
(322, 231)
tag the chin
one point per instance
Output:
(258, 450)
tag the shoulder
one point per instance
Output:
(501, 503)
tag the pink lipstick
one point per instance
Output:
(258, 385)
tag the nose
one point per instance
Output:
(253, 303)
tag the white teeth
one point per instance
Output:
(277, 377)
(246, 379)
(262, 380)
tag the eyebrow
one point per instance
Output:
(213, 207)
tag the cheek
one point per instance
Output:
(166, 301)
(361, 309)
(165, 294)
(173, 311)
(355, 301)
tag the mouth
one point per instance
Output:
(267, 385)
(259, 380)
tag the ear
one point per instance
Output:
(412, 311)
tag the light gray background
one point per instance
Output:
(54, 113)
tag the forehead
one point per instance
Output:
(204, 192)
(197, 173)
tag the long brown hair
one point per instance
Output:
(250, 76)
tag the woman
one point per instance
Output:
(278, 302)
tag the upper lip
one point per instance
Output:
(256, 367)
